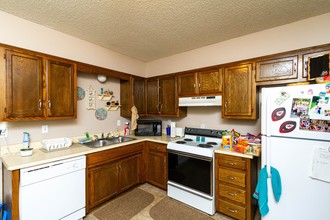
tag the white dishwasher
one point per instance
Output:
(53, 191)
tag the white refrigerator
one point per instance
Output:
(295, 124)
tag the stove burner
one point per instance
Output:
(180, 142)
(212, 143)
(204, 145)
(188, 139)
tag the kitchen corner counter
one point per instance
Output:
(40, 156)
(233, 153)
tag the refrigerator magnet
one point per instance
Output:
(278, 114)
(287, 126)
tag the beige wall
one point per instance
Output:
(25, 34)
(22, 33)
(305, 33)
(86, 121)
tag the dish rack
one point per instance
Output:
(57, 143)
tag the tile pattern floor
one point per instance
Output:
(159, 194)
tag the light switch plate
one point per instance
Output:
(118, 122)
(44, 129)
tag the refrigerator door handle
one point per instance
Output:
(268, 110)
(268, 155)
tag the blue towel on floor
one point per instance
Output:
(276, 183)
(261, 192)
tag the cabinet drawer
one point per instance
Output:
(232, 210)
(232, 177)
(232, 193)
(232, 162)
(157, 146)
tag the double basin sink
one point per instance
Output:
(108, 141)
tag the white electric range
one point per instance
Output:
(191, 168)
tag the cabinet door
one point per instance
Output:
(139, 95)
(168, 96)
(61, 86)
(24, 85)
(239, 99)
(188, 84)
(277, 69)
(102, 183)
(129, 172)
(152, 96)
(157, 168)
(209, 82)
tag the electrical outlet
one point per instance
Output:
(118, 122)
(44, 129)
(3, 132)
(203, 125)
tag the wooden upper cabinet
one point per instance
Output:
(162, 97)
(133, 92)
(239, 93)
(24, 92)
(188, 84)
(153, 105)
(61, 89)
(38, 88)
(168, 96)
(208, 82)
(277, 69)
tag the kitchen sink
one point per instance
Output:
(108, 141)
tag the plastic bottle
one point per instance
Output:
(26, 140)
(126, 129)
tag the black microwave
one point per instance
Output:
(148, 128)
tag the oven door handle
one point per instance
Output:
(209, 159)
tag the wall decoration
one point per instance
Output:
(101, 114)
(80, 93)
(91, 102)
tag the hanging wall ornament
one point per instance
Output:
(91, 102)
(101, 114)
(80, 93)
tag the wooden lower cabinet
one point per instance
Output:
(235, 183)
(111, 172)
(156, 165)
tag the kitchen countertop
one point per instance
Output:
(40, 156)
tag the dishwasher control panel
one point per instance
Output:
(50, 170)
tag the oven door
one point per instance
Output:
(192, 171)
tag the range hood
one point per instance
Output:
(201, 101)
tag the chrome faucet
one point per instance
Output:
(96, 137)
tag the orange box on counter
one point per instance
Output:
(227, 142)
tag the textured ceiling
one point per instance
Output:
(151, 29)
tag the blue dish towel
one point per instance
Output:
(276, 183)
(261, 192)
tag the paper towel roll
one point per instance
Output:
(172, 129)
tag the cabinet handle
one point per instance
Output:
(231, 177)
(40, 104)
(161, 108)
(199, 85)
(232, 194)
(295, 67)
(49, 104)
(232, 164)
(194, 85)
(225, 105)
(231, 210)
